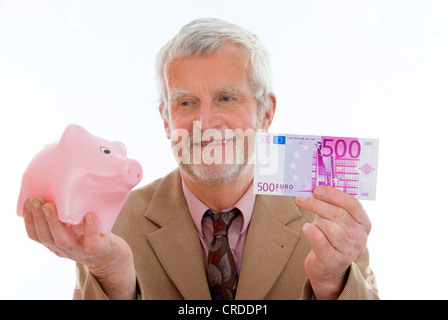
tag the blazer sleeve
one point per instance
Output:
(88, 288)
(360, 285)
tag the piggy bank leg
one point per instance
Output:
(71, 203)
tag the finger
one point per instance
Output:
(329, 211)
(29, 221)
(336, 236)
(77, 229)
(343, 200)
(93, 242)
(320, 244)
(62, 237)
(40, 222)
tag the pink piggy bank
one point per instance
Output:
(82, 173)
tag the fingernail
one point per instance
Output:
(88, 218)
(46, 211)
(319, 191)
(305, 226)
(300, 200)
(35, 203)
(28, 206)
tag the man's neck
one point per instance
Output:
(222, 196)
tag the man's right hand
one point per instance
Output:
(108, 257)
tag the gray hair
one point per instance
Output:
(205, 36)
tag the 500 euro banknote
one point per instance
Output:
(293, 165)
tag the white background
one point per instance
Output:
(376, 69)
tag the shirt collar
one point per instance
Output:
(197, 207)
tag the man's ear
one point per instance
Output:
(269, 114)
(166, 123)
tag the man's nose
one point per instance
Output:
(209, 116)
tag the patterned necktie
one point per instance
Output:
(221, 270)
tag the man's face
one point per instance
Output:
(215, 93)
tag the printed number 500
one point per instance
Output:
(266, 187)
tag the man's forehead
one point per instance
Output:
(176, 93)
(228, 55)
(226, 70)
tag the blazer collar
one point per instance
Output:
(168, 200)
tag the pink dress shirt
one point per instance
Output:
(237, 231)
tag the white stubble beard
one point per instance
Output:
(225, 171)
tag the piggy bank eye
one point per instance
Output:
(105, 150)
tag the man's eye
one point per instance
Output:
(185, 103)
(226, 98)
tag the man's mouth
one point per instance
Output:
(212, 143)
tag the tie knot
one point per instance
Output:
(222, 220)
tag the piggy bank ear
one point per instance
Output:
(120, 146)
(72, 134)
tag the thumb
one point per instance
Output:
(93, 241)
(305, 228)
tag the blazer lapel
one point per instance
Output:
(176, 243)
(269, 244)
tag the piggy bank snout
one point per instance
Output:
(132, 173)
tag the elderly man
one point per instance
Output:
(200, 232)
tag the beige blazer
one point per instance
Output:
(157, 225)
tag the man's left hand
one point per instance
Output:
(337, 236)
